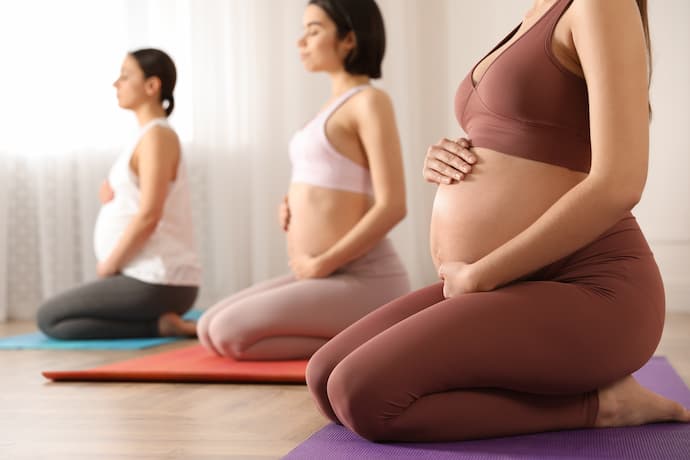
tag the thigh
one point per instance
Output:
(317, 308)
(117, 297)
(533, 337)
(210, 313)
(372, 324)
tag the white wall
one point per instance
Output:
(664, 212)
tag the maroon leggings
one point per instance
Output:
(528, 357)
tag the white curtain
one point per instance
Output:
(241, 93)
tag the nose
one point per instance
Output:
(301, 42)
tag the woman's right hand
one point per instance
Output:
(284, 214)
(448, 161)
(106, 194)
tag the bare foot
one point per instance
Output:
(627, 403)
(172, 325)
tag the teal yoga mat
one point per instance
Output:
(39, 341)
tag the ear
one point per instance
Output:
(350, 42)
(347, 44)
(152, 85)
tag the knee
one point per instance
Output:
(46, 319)
(318, 371)
(202, 327)
(227, 340)
(357, 405)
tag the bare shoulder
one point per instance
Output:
(373, 97)
(372, 102)
(160, 140)
(612, 14)
(161, 135)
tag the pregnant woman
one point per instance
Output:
(347, 193)
(144, 241)
(550, 296)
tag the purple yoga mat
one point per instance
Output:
(654, 442)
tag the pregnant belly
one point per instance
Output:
(503, 196)
(320, 217)
(110, 225)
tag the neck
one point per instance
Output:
(538, 7)
(148, 112)
(342, 81)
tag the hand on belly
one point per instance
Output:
(305, 267)
(458, 278)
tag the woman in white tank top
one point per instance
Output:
(143, 238)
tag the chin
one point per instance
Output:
(308, 67)
(123, 104)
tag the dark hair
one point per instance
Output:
(364, 19)
(156, 63)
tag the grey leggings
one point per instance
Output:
(114, 307)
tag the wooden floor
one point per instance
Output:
(76, 421)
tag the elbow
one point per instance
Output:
(148, 221)
(624, 199)
(395, 212)
(619, 192)
(629, 200)
(401, 212)
(627, 195)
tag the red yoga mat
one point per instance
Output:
(190, 364)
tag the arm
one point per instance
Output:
(377, 131)
(610, 44)
(156, 162)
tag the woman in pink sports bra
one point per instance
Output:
(347, 192)
(550, 297)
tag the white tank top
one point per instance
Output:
(169, 255)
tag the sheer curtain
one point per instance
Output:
(241, 93)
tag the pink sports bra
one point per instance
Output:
(527, 104)
(316, 162)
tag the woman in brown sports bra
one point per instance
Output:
(550, 296)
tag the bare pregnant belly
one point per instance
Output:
(320, 217)
(502, 196)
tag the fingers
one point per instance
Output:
(437, 171)
(447, 161)
(459, 148)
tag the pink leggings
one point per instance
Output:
(525, 358)
(285, 318)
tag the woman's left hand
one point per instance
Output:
(305, 267)
(458, 278)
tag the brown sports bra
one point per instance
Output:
(527, 104)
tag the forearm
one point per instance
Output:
(575, 220)
(361, 238)
(133, 238)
